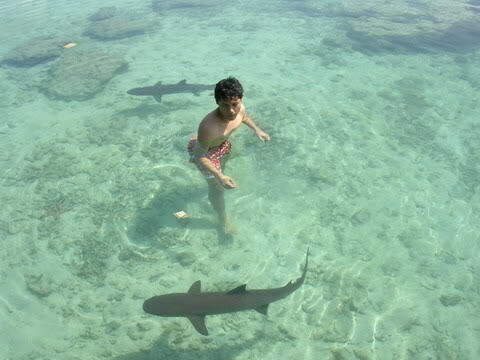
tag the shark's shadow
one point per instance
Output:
(158, 214)
(162, 350)
(144, 110)
(158, 90)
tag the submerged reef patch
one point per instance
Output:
(35, 51)
(80, 75)
(374, 26)
(103, 13)
(160, 6)
(113, 24)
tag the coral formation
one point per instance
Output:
(378, 26)
(35, 51)
(117, 26)
(103, 13)
(80, 75)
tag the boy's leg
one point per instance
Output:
(216, 196)
(217, 199)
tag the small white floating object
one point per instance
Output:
(70, 45)
(181, 215)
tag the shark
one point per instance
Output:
(159, 89)
(195, 305)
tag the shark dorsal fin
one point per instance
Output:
(198, 322)
(158, 84)
(262, 309)
(183, 82)
(238, 290)
(196, 288)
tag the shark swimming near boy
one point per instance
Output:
(195, 305)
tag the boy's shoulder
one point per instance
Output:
(210, 118)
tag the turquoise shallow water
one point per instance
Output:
(373, 165)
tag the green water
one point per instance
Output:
(373, 164)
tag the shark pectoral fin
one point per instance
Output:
(196, 93)
(238, 290)
(198, 322)
(196, 288)
(262, 309)
(158, 98)
(183, 82)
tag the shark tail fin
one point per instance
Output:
(306, 263)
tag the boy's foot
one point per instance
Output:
(228, 228)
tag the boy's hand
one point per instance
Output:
(262, 135)
(227, 182)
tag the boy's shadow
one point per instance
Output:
(159, 212)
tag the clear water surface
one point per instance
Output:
(373, 112)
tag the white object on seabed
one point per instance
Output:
(181, 215)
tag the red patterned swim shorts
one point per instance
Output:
(214, 154)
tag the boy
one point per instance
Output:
(211, 146)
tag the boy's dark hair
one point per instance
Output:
(227, 89)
